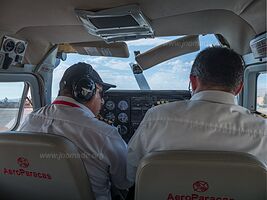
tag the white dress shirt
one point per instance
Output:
(105, 151)
(210, 120)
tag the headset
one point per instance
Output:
(83, 89)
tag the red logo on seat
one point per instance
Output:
(200, 186)
(23, 162)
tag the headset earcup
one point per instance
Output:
(84, 89)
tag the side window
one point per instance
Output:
(13, 106)
(10, 101)
(262, 93)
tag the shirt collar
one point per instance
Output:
(215, 96)
(71, 100)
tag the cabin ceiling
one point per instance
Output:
(44, 23)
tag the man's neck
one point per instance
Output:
(222, 89)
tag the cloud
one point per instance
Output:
(119, 65)
(178, 64)
(172, 74)
(108, 63)
(174, 66)
(147, 42)
(124, 81)
(167, 80)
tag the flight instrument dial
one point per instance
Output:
(110, 116)
(123, 130)
(123, 117)
(110, 105)
(123, 105)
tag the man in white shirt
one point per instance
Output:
(210, 120)
(73, 115)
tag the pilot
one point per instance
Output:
(210, 120)
(73, 115)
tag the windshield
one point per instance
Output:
(169, 75)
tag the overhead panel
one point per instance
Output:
(117, 24)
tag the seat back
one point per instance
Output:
(41, 166)
(201, 175)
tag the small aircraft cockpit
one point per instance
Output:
(146, 48)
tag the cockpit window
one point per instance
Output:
(174, 74)
(169, 75)
(262, 93)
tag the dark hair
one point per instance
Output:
(219, 66)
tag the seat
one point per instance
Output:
(201, 175)
(41, 166)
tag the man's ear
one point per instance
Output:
(194, 82)
(239, 88)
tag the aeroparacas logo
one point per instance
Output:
(200, 186)
(23, 162)
(23, 172)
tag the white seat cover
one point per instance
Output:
(25, 172)
(201, 175)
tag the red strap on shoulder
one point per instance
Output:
(66, 103)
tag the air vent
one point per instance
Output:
(258, 46)
(117, 24)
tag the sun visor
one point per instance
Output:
(97, 48)
(168, 51)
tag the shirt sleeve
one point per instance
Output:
(115, 150)
(136, 148)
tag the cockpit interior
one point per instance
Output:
(141, 46)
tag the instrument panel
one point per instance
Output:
(125, 109)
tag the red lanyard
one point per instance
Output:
(66, 103)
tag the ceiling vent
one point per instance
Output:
(117, 24)
(259, 46)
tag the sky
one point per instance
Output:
(11, 90)
(169, 75)
(262, 85)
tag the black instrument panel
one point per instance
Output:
(126, 108)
